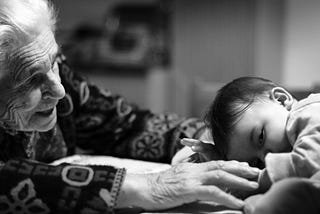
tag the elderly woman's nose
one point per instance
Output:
(53, 88)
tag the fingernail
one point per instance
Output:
(256, 170)
(254, 184)
(206, 141)
(239, 204)
(235, 203)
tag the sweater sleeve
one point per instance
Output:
(304, 159)
(106, 124)
(33, 187)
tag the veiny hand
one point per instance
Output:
(189, 182)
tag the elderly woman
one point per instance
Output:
(46, 112)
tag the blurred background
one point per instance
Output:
(173, 55)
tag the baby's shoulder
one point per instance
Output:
(311, 102)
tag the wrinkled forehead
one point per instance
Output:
(22, 61)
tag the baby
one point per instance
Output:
(254, 120)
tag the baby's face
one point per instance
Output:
(260, 130)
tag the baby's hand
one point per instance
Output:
(205, 149)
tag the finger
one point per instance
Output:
(207, 142)
(198, 149)
(194, 142)
(197, 145)
(234, 167)
(222, 178)
(215, 194)
(189, 142)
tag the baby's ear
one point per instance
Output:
(282, 96)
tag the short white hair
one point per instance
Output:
(21, 21)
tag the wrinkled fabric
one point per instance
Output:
(303, 131)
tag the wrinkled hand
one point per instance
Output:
(189, 182)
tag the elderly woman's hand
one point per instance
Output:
(188, 182)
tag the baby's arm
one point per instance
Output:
(196, 151)
(204, 147)
(182, 155)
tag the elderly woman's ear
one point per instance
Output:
(283, 97)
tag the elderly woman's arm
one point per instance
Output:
(32, 187)
(35, 187)
(188, 182)
(104, 123)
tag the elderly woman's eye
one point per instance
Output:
(37, 80)
(261, 137)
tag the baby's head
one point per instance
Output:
(248, 119)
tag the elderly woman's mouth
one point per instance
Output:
(46, 112)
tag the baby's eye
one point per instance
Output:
(261, 137)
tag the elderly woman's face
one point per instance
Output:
(31, 87)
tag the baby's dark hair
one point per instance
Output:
(229, 104)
